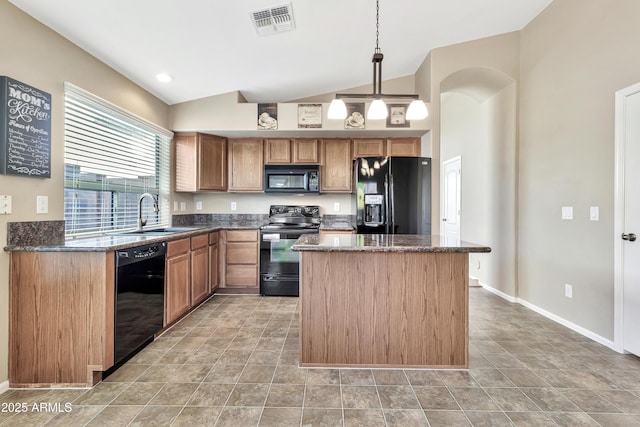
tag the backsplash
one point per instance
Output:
(33, 233)
(203, 219)
(197, 219)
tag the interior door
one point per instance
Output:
(631, 246)
(451, 198)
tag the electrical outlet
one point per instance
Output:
(567, 212)
(5, 205)
(42, 204)
(199, 205)
(183, 206)
(336, 207)
(175, 206)
(568, 290)
(234, 206)
(594, 213)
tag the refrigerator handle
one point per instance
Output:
(387, 215)
(391, 207)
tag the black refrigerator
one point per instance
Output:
(393, 195)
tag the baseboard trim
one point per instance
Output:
(4, 386)
(564, 322)
(499, 293)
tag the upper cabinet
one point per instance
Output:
(377, 147)
(305, 151)
(246, 164)
(277, 151)
(335, 170)
(403, 147)
(369, 147)
(201, 162)
(283, 151)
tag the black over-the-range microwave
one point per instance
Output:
(291, 179)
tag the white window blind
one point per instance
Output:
(111, 158)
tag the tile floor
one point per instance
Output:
(233, 362)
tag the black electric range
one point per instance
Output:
(279, 264)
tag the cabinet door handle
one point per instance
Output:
(630, 237)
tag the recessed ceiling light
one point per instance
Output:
(164, 77)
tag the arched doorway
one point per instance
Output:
(478, 123)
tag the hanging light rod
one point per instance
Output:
(378, 109)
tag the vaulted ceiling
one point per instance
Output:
(211, 47)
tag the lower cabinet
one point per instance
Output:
(178, 279)
(214, 250)
(200, 287)
(60, 313)
(240, 254)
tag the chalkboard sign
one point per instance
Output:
(25, 129)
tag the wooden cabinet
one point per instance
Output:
(213, 260)
(241, 254)
(369, 147)
(399, 147)
(305, 151)
(61, 318)
(404, 147)
(200, 162)
(285, 151)
(277, 151)
(336, 167)
(178, 279)
(246, 163)
(200, 285)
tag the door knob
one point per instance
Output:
(630, 237)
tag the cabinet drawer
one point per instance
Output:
(242, 236)
(178, 247)
(214, 237)
(199, 241)
(242, 275)
(242, 253)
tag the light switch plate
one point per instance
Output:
(568, 290)
(567, 212)
(234, 206)
(594, 213)
(5, 205)
(42, 204)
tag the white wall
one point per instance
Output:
(482, 132)
(575, 55)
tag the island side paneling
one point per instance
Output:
(384, 309)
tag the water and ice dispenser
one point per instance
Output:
(374, 214)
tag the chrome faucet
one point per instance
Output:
(143, 222)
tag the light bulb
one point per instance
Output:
(337, 110)
(377, 110)
(417, 110)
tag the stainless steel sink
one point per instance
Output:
(158, 231)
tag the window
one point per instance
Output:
(111, 158)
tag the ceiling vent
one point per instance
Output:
(275, 19)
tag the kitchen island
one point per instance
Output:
(384, 301)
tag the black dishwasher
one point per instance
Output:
(139, 299)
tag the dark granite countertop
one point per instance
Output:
(383, 243)
(110, 242)
(337, 226)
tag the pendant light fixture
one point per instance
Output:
(377, 109)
